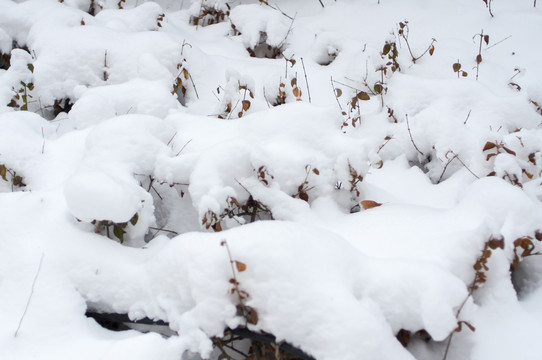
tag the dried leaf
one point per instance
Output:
(431, 50)
(246, 105)
(304, 196)
(185, 73)
(496, 243)
(134, 219)
(3, 172)
(486, 39)
(386, 49)
(369, 204)
(378, 88)
(478, 58)
(489, 145)
(316, 171)
(240, 266)
(294, 82)
(362, 95)
(297, 92)
(338, 93)
(251, 315)
(509, 151)
(456, 67)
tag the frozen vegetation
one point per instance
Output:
(360, 179)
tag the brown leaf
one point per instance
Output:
(496, 243)
(431, 50)
(294, 82)
(246, 105)
(338, 93)
(486, 39)
(316, 171)
(369, 204)
(489, 145)
(304, 196)
(251, 315)
(509, 151)
(456, 67)
(478, 58)
(297, 92)
(240, 266)
(362, 95)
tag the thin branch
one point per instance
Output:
(185, 145)
(193, 85)
(446, 167)
(468, 115)
(165, 230)
(412, 139)
(335, 93)
(498, 42)
(321, 3)
(30, 296)
(466, 167)
(306, 80)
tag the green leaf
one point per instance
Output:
(30, 67)
(24, 107)
(134, 219)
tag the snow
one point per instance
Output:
(149, 141)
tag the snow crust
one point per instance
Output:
(149, 141)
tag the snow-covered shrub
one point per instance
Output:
(209, 12)
(264, 31)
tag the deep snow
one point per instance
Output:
(176, 131)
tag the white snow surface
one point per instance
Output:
(125, 118)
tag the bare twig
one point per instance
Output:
(412, 139)
(306, 80)
(321, 3)
(165, 230)
(464, 165)
(30, 296)
(498, 42)
(446, 167)
(193, 85)
(185, 145)
(468, 115)
(335, 93)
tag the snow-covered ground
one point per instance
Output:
(373, 169)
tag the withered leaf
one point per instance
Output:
(246, 105)
(240, 266)
(362, 95)
(369, 204)
(489, 145)
(456, 67)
